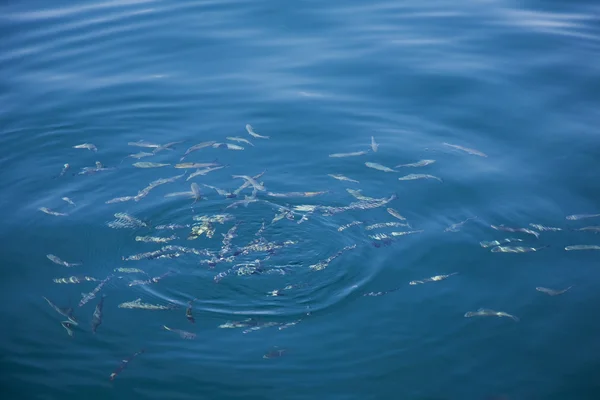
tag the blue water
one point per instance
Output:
(518, 81)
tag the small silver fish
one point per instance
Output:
(254, 134)
(516, 249)
(137, 303)
(581, 216)
(130, 270)
(251, 181)
(411, 177)
(582, 247)
(50, 212)
(353, 154)
(239, 139)
(153, 239)
(483, 312)
(344, 227)
(197, 147)
(192, 165)
(166, 146)
(395, 214)
(485, 244)
(456, 227)
(139, 155)
(65, 169)
(182, 334)
(340, 177)
(143, 164)
(88, 146)
(406, 233)
(143, 143)
(227, 146)
(68, 200)
(172, 226)
(594, 229)
(552, 292)
(379, 167)
(120, 199)
(420, 163)
(357, 194)
(58, 261)
(374, 145)
(466, 150)
(203, 171)
(386, 225)
(543, 228)
(436, 278)
(509, 229)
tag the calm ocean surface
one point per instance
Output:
(517, 81)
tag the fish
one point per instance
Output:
(456, 227)
(250, 130)
(196, 148)
(406, 233)
(324, 263)
(275, 353)
(239, 139)
(88, 146)
(420, 163)
(171, 227)
(124, 220)
(357, 194)
(436, 278)
(498, 242)
(98, 167)
(516, 249)
(120, 199)
(251, 181)
(221, 192)
(344, 227)
(379, 167)
(227, 146)
(68, 325)
(149, 165)
(483, 312)
(395, 214)
(66, 167)
(594, 229)
(166, 146)
(182, 334)
(124, 364)
(97, 316)
(74, 279)
(188, 312)
(130, 270)
(295, 194)
(352, 154)
(50, 212)
(552, 292)
(386, 225)
(412, 177)
(522, 230)
(217, 218)
(139, 155)
(247, 183)
(543, 228)
(238, 324)
(340, 177)
(65, 312)
(137, 303)
(86, 297)
(143, 143)
(203, 171)
(582, 247)
(466, 150)
(374, 145)
(191, 165)
(576, 217)
(58, 261)
(68, 200)
(155, 239)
